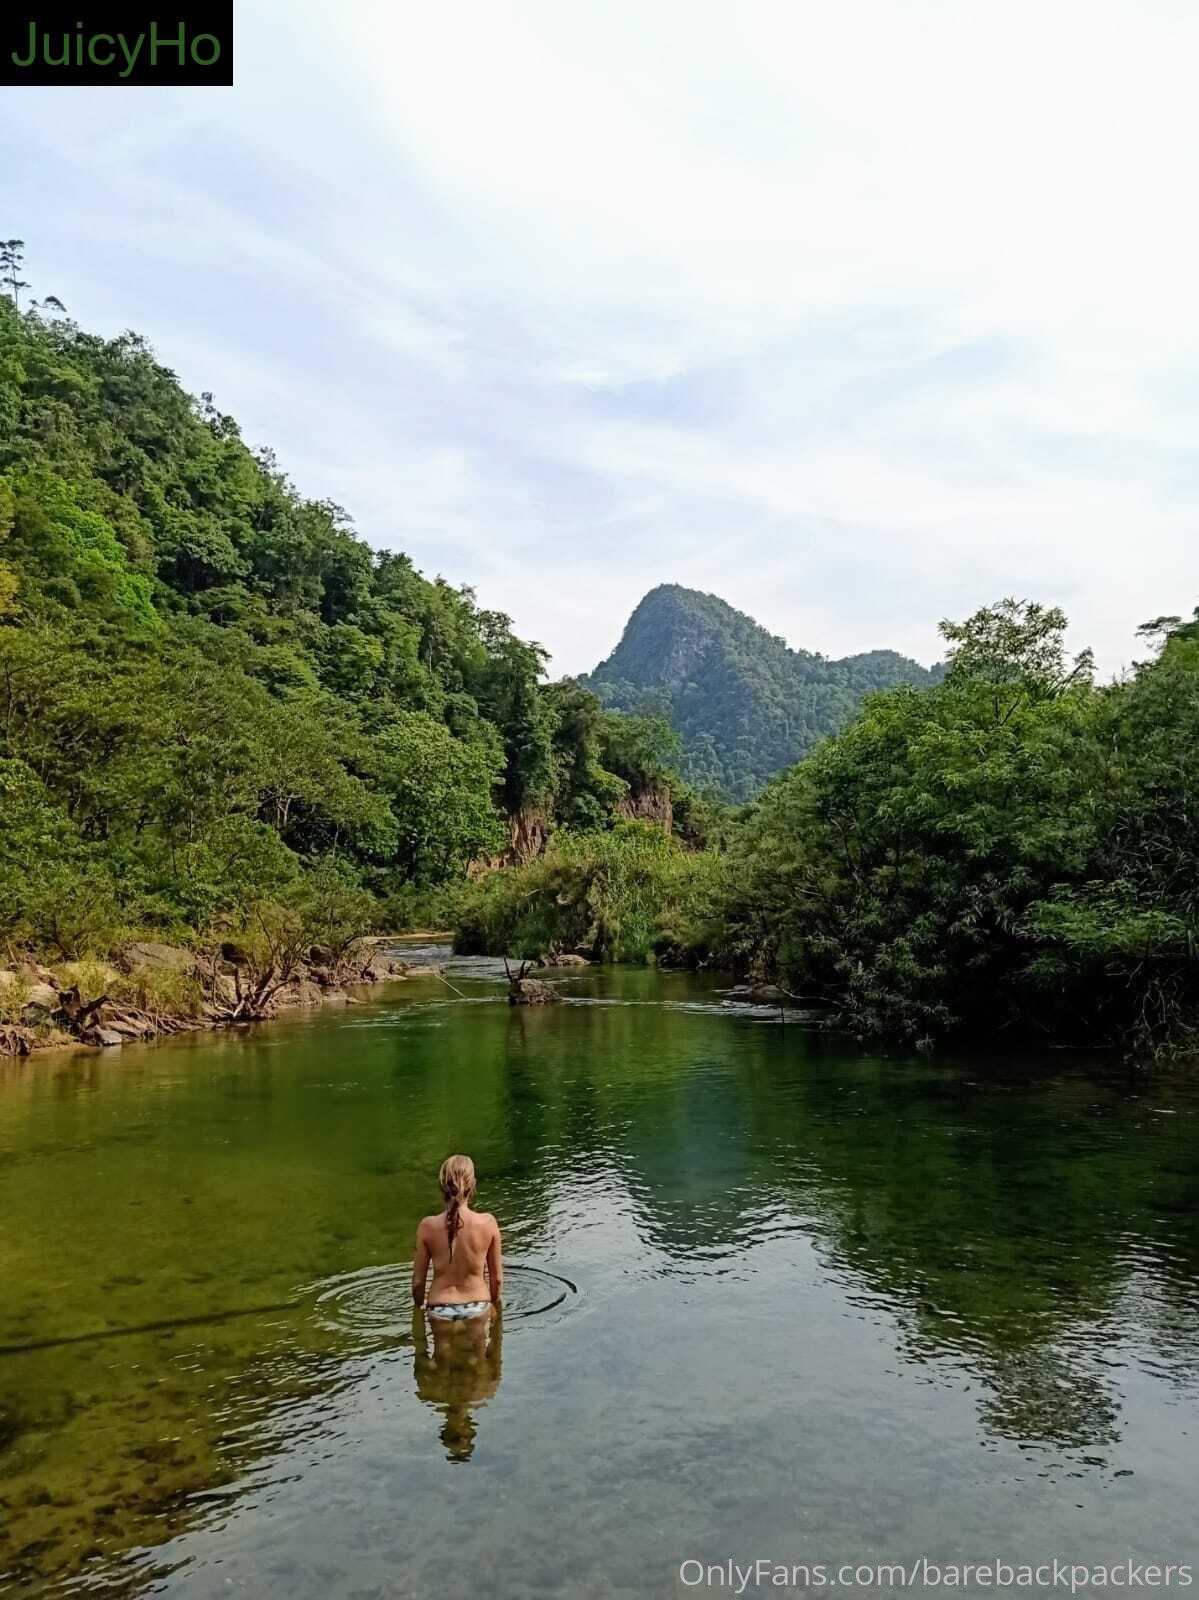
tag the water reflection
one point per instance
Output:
(457, 1369)
(1009, 1253)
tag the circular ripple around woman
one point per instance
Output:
(377, 1302)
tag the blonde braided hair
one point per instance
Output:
(457, 1180)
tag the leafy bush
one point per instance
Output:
(159, 991)
(625, 894)
(91, 976)
(1013, 847)
(418, 908)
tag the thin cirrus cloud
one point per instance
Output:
(858, 316)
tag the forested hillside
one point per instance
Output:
(1009, 853)
(224, 717)
(745, 705)
(214, 695)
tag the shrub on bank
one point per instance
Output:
(628, 894)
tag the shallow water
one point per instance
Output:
(769, 1297)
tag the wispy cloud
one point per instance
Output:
(858, 315)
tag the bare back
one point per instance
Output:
(472, 1270)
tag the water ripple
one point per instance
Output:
(376, 1302)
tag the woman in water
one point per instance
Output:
(463, 1246)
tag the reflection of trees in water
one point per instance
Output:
(457, 1369)
(614, 1094)
(1170, 1329)
(1013, 1226)
(999, 1215)
(996, 1216)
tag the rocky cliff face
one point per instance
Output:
(528, 834)
(650, 804)
(529, 831)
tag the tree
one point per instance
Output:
(12, 258)
(439, 792)
(1016, 646)
(890, 871)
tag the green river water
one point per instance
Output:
(769, 1297)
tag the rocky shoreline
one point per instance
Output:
(150, 989)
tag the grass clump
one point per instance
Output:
(627, 894)
(14, 997)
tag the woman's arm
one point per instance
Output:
(420, 1268)
(495, 1266)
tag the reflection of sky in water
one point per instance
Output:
(828, 1307)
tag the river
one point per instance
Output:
(770, 1296)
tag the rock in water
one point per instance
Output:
(531, 992)
(104, 1036)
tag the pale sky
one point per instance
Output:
(858, 315)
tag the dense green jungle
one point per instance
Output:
(226, 720)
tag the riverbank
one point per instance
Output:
(150, 989)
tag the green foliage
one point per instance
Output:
(211, 688)
(55, 534)
(625, 894)
(1015, 645)
(335, 908)
(159, 991)
(423, 908)
(745, 705)
(9, 582)
(439, 790)
(1120, 946)
(1010, 848)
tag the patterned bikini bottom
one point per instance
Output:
(459, 1312)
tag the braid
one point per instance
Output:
(452, 1220)
(457, 1180)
